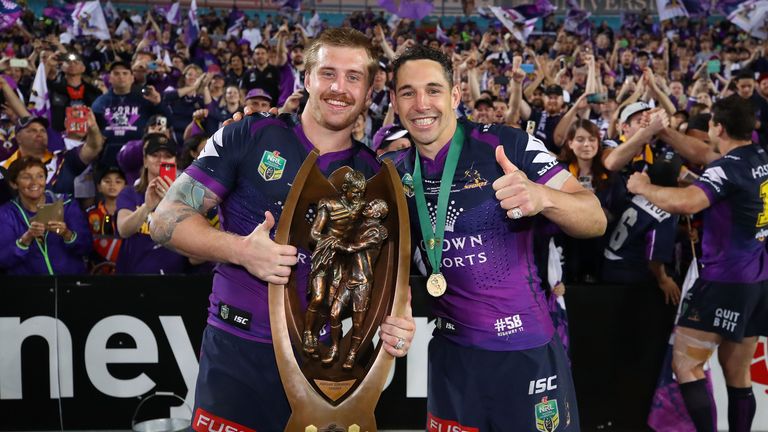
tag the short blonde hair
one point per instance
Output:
(344, 37)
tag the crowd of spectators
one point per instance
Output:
(608, 101)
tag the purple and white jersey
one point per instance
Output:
(494, 300)
(251, 165)
(736, 223)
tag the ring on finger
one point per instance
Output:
(400, 343)
(517, 213)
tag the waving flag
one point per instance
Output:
(441, 36)
(193, 27)
(289, 8)
(174, 14)
(315, 25)
(727, 6)
(109, 11)
(235, 23)
(669, 9)
(39, 102)
(577, 19)
(750, 16)
(697, 8)
(89, 20)
(9, 13)
(539, 9)
(412, 9)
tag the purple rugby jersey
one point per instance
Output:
(494, 299)
(250, 165)
(736, 223)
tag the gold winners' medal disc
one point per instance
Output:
(436, 284)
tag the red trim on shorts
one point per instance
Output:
(436, 424)
(207, 422)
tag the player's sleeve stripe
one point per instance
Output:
(207, 181)
(707, 191)
(488, 138)
(551, 174)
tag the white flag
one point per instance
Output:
(174, 14)
(669, 9)
(89, 19)
(39, 102)
(315, 25)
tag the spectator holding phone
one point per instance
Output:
(40, 246)
(69, 90)
(130, 159)
(139, 254)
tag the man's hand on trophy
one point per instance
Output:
(265, 259)
(397, 333)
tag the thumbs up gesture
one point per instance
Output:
(265, 259)
(516, 194)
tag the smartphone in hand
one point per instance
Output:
(168, 171)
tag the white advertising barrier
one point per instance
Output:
(759, 387)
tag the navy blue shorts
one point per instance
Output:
(475, 390)
(732, 310)
(238, 386)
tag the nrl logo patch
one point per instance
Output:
(547, 415)
(271, 166)
(408, 185)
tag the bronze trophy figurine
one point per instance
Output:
(356, 236)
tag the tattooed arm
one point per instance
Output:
(179, 223)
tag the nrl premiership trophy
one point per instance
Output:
(356, 236)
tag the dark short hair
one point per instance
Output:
(744, 74)
(737, 117)
(21, 164)
(423, 52)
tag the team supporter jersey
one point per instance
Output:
(642, 233)
(494, 300)
(736, 223)
(251, 165)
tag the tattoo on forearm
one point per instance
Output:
(185, 198)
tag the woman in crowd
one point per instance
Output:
(29, 246)
(139, 254)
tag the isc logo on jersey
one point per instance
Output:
(271, 166)
(542, 384)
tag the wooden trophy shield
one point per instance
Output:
(325, 394)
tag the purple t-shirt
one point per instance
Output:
(494, 299)
(139, 254)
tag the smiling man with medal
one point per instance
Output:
(474, 190)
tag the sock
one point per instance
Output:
(698, 404)
(741, 409)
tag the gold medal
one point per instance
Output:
(436, 284)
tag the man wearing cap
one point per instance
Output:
(380, 97)
(69, 89)
(548, 117)
(639, 124)
(389, 139)
(482, 112)
(122, 113)
(61, 166)
(257, 100)
(130, 158)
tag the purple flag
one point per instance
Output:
(441, 36)
(412, 9)
(539, 9)
(727, 6)
(193, 27)
(577, 19)
(697, 8)
(9, 13)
